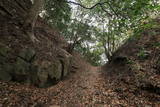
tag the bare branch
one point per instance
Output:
(95, 5)
(112, 9)
(85, 6)
(106, 11)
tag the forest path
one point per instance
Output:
(84, 89)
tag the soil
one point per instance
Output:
(117, 84)
(84, 88)
(89, 88)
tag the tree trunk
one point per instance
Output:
(31, 18)
(107, 53)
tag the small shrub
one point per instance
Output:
(143, 54)
(129, 61)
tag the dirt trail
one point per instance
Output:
(89, 88)
(82, 90)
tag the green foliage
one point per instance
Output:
(103, 28)
(57, 13)
(129, 61)
(143, 54)
(157, 44)
(143, 26)
(94, 57)
(77, 30)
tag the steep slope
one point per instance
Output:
(131, 79)
(42, 63)
(81, 89)
(134, 72)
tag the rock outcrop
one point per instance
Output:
(42, 63)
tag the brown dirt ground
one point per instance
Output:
(89, 88)
(82, 89)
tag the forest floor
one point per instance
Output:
(120, 85)
(81, 89)
(85, 89)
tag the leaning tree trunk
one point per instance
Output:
(31, 18)
(107, 53)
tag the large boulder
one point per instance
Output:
(42, 63)
(66, 61)
(28, 69)
(5, 67)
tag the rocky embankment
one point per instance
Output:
(42, 63)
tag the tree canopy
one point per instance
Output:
(98, 27)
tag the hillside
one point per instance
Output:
(134, 73)
(43, 63)
(130, 79)
(45, 74)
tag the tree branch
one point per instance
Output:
(105, 10)
(95, 5)
(112, 9)
(85, 6)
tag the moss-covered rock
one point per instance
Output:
(28, 54)
(28, 69)
(55, 70)
(37, 63)
(42, 76)
(4, 50)
(5, 67)
(48, 73)
(21, 60)
(5, 72)
(66, 61)
(21, 67)
(3, 53)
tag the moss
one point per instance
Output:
(21, 67)
(42, 77)
(5, 76)
(25, 70)
(5, 67)
(55, 70)
(33, 78)
(4, 50)
(2, 59)
(5, 72)
(27, 54)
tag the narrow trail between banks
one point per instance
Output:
(84, 89)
